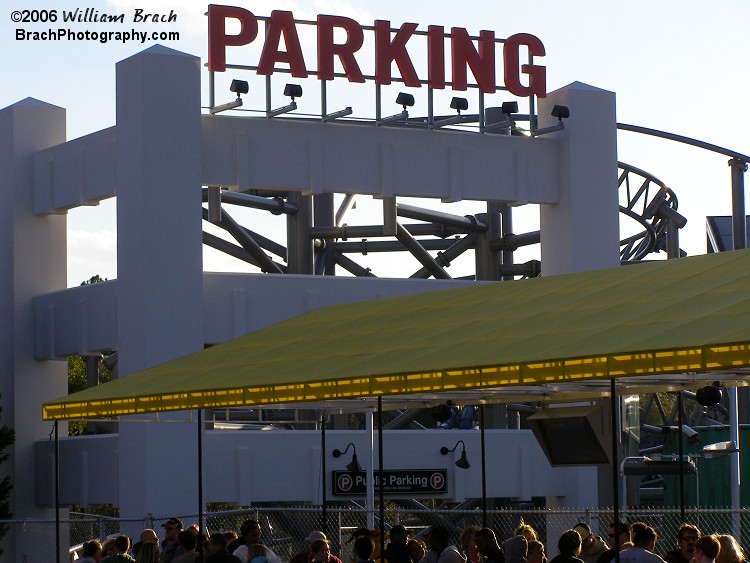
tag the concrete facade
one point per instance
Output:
(156, 160)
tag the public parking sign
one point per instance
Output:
(396, 482)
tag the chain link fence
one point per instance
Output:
(285, 528)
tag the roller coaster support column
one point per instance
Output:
(739, 241)
(739, 224)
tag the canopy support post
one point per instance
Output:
(381, 493)
(57, 492)
(681, 454)
(200, 480)
(370, 498)
(484, 472)
(615, 467)
(324, 515)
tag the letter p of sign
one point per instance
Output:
(218, 40)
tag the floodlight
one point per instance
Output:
(293, 91)
(238, 87)
(509, 108)
(403, 99)
(560, 112)
(459, 104)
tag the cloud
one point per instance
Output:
(91, 252)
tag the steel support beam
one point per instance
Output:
(444, 258)
(466, 224)
(424, 257)
(300, 255)
(249, 244)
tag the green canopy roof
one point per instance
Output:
(686, 315)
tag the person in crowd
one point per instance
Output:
(148, 553)
(397, 550)
(170, 547)
(488, 547)
(515, 549)
(250, 534)
(122, 545)
(687, 535)
(569, 547)
(304, 555)
(231, 536)
(374, 535)
(91, 552)
(644, 542)
(216, 551)
(257, 553)
(535, 552)
(707, 548)
(320, 552)
(363, 550)
(527, 531)
(592, 546)
(468, 545)
(109, 548)
(618, 538)
(417, 550)
(147, 536)
(438, 540)
(188, 547)
(731, 552)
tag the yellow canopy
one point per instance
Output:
(676, 316)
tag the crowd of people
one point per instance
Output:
(627, 543)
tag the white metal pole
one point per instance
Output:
(370, 500)
(734, 434)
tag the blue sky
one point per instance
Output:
(675, 66)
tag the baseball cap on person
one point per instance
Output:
(176, 522)
(583, 530)
(315, 535)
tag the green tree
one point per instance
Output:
(77, 379)
(7, 439)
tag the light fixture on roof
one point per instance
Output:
(560, 112)
(459, 104)
(507, 109)
(404, 100)
(239, 87)
(462, 462)
(293, 91)
(353, 465)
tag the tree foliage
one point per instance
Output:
(77, 378)
(7, 439)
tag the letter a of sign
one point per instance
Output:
(282, 22)
(218, 40)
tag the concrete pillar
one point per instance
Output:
(582, 231)
(33, 256)
(159, 265)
